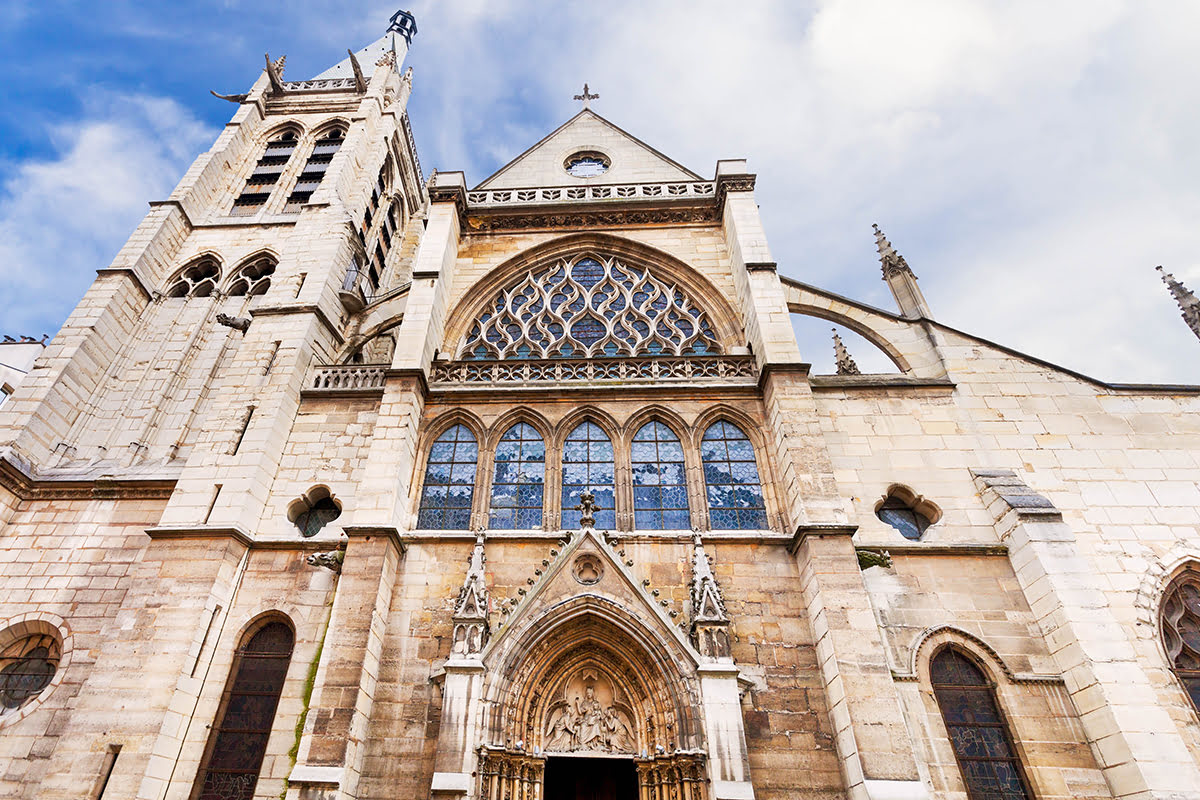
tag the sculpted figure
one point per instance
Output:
(562, 733)
(616, 732)
(591, 721)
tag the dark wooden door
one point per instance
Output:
(590, 779)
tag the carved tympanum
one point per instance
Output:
(588, 717)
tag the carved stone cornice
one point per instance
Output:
(28, 487)
(743, 182)
(606, 217)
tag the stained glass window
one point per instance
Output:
(449, 482)
(519, 479)
(735, 497)
(588, 467)
(27, 666)
(980, 738)
(1181, 634)
(238, 741)
(659, 483)
(320, 514)
(910, 523)
(587, 165)
(589, 308)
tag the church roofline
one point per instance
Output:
(513, 161)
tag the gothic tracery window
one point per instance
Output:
(659, 484)
(238, 741)
(27, 667)
(587, 308)
(979, 735)
(588, 467)
(198, 279)
(519, 479)
(735, 498)
(254, 278)
(1181, 633)
(449, 481)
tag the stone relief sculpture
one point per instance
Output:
(588, 719)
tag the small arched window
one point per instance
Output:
(588, 467)
(263, 179)
(907, 512)
(519, 479)
(238, 741)
(27, 666)
(660, 499)
(449, 481)
(314, 168)
(198, 279)
(1181, 633)
(980, 737)
(735, 497)
(254, 278)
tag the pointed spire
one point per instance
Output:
(845, 363)
(471, 608)
(1188, 304)
(891, 261)
(390, 48)
(710, 620)
(900, 279)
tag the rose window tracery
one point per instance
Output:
(589, 307)
(1181, 634)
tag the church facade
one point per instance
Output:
(346, 480)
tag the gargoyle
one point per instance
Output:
(872, 558)
(237, 323)
(330, 560)
(233, 98)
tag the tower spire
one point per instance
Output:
(1188, 304)
(845, 363)
(900, 279)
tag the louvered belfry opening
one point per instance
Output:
(238, 742)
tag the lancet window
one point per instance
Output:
(980, 737)
(735, 498)
(588, 466)
(519, 479)
(449, 481)
(314, 168)
(238, 741)
(1181, 633)
(589, 307)
(265, 177)
(659, 485)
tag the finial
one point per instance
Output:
(1189, 306)
(891, 261)
(405, 24)
(845, 363)
(587, 510)
(586, 97)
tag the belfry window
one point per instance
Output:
(588, 467)
(314, 168)
(449, 481)
(1181, 633)
(238, 741)
(198, 279)
(517, 485)
(589, 308)
(266, 174)
(254, 278)
(659, 486)
(735, 498)
(979, 735)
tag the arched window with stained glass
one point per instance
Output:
(734, 491)
(586, 308)
(660, 499)
(982, 743)
(519, 479)
(588, 467)
(449, 481)
(238, 740)
(1181, 632)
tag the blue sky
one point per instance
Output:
(1032, 160)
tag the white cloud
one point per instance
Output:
(65, 216)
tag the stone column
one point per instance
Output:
(725, 732)
(455, 759)
(329, 762)
(1137, 744)
(872, 739)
